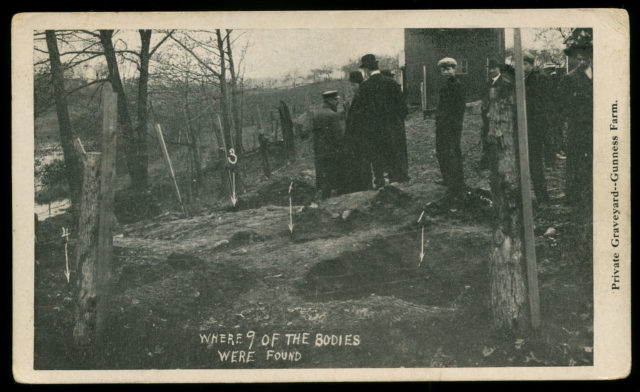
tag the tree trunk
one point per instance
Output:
(235, 110)
(71, 159)
(506, 262)
(87, 253)
(129, 137)
(141, 129)
(224, 95)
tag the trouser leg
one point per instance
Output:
(441, 153)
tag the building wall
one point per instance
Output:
(470, 47)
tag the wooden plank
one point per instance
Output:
(106, 196)
(167, 160)
(525, 184)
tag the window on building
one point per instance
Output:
(463, 67)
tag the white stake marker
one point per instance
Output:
(422, 240)
(234, 199)
(290, 209)
(65, 235)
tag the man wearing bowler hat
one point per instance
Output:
(327, 129)
(378, 133)
(449, 115)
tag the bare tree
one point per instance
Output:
(71, 159)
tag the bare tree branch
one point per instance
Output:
(169, 34)
(214, 72)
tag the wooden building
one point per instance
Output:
(471, 48)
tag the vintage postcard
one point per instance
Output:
(321, 196)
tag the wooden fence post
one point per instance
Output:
(287, 131)
(105, 222)
(94, 248)
(87, 252)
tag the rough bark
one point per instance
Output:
(72, 161)
(235, 110)
(87, 253)
(224, 95)
(506, 261)
(141, 129)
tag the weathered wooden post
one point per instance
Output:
(107, 193)
(507, 267)
(264, 147)
(94, 249)
(87, 252)
(287, 131)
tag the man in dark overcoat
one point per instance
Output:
(449, 115)
(328, 129)
(578, 106)
(537, 96)
(355, 175)
(378, 112)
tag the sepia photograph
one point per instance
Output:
(417, 197)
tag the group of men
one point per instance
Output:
(550, 104)
(353, 154)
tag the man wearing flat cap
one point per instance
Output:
(327, 129)
(378, 136)
(449, 115)
(537, 96)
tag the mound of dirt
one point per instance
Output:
(390, 203)
(242, 238)
(276, 192)
(384, 267)
(314, 223)
(475, 206)
(131, 206)
(182, 261)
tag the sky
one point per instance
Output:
(275, 53)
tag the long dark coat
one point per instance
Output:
(578, 105)
(449, 116)
(537, 94)
(328, 130)
(376, 127)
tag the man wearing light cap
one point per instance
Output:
(328, 129)
(449, 115)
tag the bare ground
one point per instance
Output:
(350, 268)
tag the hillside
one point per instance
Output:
(189, 291)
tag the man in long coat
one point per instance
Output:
(578, 105)
(355, 175)
(378, 131)
(537, 94)
(449, 116)
(328, 129)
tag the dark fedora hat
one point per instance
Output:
(369, 61)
